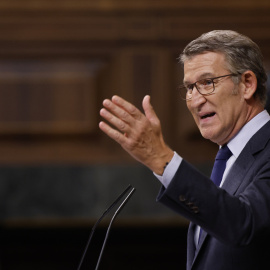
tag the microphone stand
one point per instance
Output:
(100, 219)
(109, 227)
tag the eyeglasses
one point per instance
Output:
(205, 87)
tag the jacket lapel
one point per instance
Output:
(191, 245)
(195, 250)
(236, 176)
(237, 173)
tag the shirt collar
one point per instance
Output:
(237, 144)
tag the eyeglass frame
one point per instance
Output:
(213, 83)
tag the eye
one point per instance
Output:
(205, 82)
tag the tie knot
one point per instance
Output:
(224, 153)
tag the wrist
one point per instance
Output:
(163, 162)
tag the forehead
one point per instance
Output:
(204, 65)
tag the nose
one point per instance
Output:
(197, 99)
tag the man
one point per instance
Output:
(224, 85)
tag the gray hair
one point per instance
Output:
(241, 54)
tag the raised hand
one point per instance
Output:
(139, 134)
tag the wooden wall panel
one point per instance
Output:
(48, 97)
(60, 59)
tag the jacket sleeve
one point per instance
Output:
(233, 218)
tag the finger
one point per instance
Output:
(112, 133)
(149, 110)
(115, 121)
(118, 111)
(128, 107)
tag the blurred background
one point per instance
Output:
(58, 173)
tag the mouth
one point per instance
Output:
(207, 115)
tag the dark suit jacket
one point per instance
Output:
(235, 218)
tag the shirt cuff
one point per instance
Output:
(170, 170)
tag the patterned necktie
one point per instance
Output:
(222, 157)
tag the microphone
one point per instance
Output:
(125, 200)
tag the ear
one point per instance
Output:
(249, 81)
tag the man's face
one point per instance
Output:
(220, 115)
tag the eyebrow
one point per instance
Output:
(205, 75)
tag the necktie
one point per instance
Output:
(221, 159)
(223, 155)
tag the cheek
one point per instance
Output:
(195, 117)
(190, 108)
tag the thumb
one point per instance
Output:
(149, 110)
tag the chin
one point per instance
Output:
(205, 133)
(208, 136)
